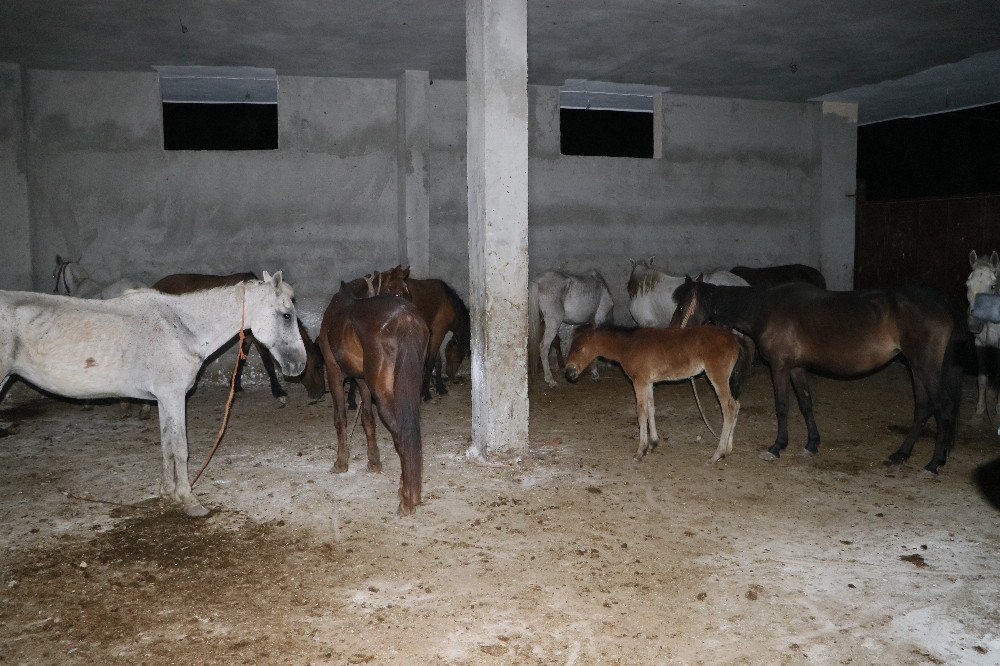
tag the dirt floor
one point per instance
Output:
(571, 554)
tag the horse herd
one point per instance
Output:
(384, 333)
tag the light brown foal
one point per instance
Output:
(649, 355)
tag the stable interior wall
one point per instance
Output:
(739, 182)
(322, 207)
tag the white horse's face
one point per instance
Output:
(982, 280)
(272, 319)
(68, 276)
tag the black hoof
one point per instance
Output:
(932, 467)
(896, 459)
(442, 390)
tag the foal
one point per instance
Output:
(649, 355)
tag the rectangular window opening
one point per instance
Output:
(219, 108)
(607, 119)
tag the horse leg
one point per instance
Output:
(173, 439)
(403, 423)
(439, 373)
(277, 390)
(982, 365)
(921, 412)
(548, 335)
(242, 361)
(730, 409)
(780, 382)
(800, 383)
(368, 422)
(335, 384)
(643, 403)
(352, 394)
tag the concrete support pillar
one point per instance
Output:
(497, 149)
(838, 178)
(412, 146)
(15, 248)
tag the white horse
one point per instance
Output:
(983, 280)
(72, 279)
(651, 292)
(144, 345)
(565, 300)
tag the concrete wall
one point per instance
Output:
(82, 159)
(322, 207)
(739, 183)
(15, 247)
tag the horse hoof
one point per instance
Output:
(339, 468)
(929, 472)
(637, 458)
(551, 383)
(375, 468)
(196, 510)
(767, 455)
(808, 453)
(403, 510)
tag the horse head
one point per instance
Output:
(582, 352)
(983, 278)
(391, 282)
(68, 275)
(270, 314)
(642, 277)
(692, 301)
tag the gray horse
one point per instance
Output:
(565, 300)
(144, 345)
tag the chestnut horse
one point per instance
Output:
(770, 276)
(185, 283)
(444, 311)
(800, 327)
(380, 342)
(650, 355)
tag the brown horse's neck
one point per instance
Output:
(735, 307)
(608, 342)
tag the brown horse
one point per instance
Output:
(769, 276)
(380, 342)
(185, 283)
(650, 355)
(444, 311)
(799, 327)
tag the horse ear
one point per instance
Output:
(700, 278)
(972, 258)
(276, 278)
(266, 277)
(405, 273)
(995, 260)
(687, 278)
(631, 263)
(59, 258)
(651, 260)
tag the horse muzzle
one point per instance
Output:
(572, 373)
(292, 360)
(976, 325)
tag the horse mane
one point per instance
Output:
(643, 283)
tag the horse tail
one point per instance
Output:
(407, 384)
(742, 368)
(534, 329)
(462, 327)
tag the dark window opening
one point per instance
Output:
(196, 126)
(607, 133)
(945, 154)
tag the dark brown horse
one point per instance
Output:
(185, 283)
(770, 276)
(380, 342)
(444, 311)
(799, 327)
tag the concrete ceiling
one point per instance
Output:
(792, 50)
